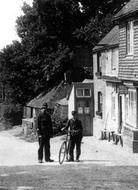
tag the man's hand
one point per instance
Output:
(63, 129)
(75, 132)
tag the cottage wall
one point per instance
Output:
(128, 64)
(108, 87)
(128, 73)
(99, 85)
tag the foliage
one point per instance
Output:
(50, 31)
(12, 115)
(15, 73)
(95, 30)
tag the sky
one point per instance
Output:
(9, 11)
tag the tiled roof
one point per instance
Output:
(130, 7)
(57, 93)
(41, 99)
(111, 39)
(63, 102)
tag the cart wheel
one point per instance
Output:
(62, 152)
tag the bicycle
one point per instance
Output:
(64, 149)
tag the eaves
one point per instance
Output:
(105, 47)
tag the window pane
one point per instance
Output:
(126, 107)
(87, 92)
(99, 62)
(132, 108)
(113, 107)
(114, 59)
(129, 37)
(87, 107)
(79, 92)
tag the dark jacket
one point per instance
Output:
(75, 127)
(45, 125)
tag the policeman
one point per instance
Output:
(45, 132)
(76, 130)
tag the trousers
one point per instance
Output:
(75, 141)
(44, 146)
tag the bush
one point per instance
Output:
(12, 115)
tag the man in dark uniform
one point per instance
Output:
(76, 130)
(45, 132)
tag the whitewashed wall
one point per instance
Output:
(99, 85)
(111, 123)
(71, 103)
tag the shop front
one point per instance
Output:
(129, 104)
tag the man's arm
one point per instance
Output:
(67, 126)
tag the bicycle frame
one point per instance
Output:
(64, 149)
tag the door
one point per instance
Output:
(84, 108)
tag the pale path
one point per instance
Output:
(14, 151)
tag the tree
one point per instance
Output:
(15, 75)
(50, 31)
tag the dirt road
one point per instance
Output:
(17, 152)
(102, 167)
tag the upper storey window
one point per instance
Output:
(83, 92)
(99, 66)
(114, 59)
(129, 38)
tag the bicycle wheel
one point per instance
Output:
(62, 152)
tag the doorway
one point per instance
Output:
(85, 114)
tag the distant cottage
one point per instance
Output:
(58, 98)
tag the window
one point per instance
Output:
(99, 66)
(83, 92)
(80, 92)
(126, 106)
(129, 38)
(130, 105)
(113, 106)
(99, 63)
(114, 59)
(87, 92)
(87, 107)
(80, 109)
(100, 104)
(31, 113)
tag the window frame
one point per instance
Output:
(99, 111)
(99, 66)
(132, 102)
(83, 94)
(113, 60)
(130, 38)
(113, 106)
